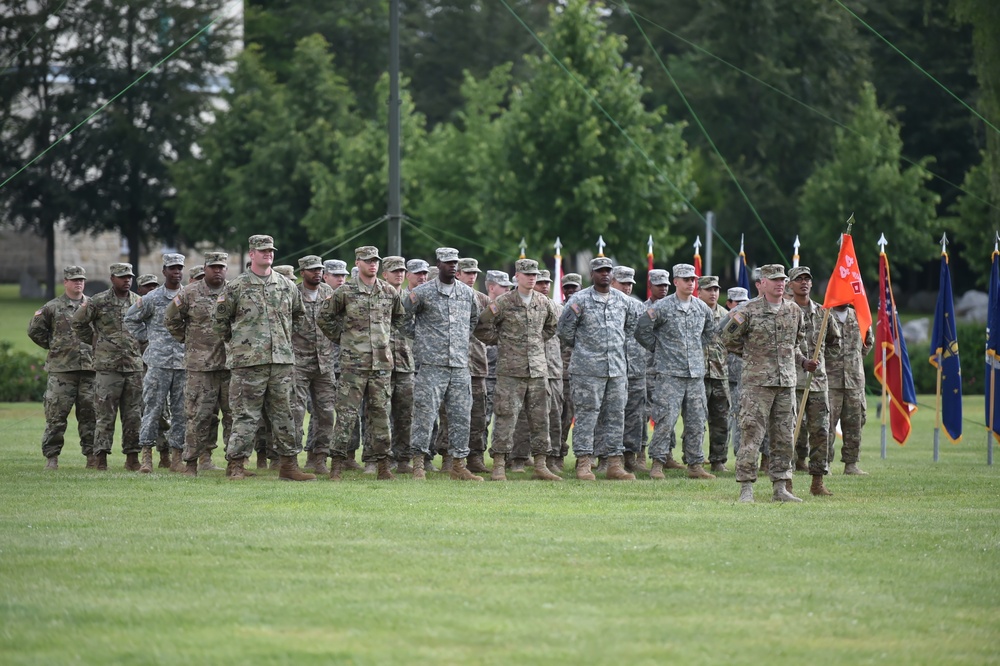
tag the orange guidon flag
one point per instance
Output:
(846, 285)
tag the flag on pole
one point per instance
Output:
(742, 277)
(896, 376)
(557, 292)
(649, 262)
(697, 261)
(992, 375)
(846, 286)
(944, 354)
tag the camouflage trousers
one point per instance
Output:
(256, 392)
(850, 408)
(441, 385)
(114, 393)
(600, 415)
(205, 395)
(679, 397)
(514, 395)
(63, 392)
(766, 410)
(316, 391)
(522, 433)
(491, 386)
(374, 387)
(566, 417)
(163, 388)
(652, 381)
(814, 434)
(477, 421)
(636, 415)
(717, 408)
(734, 413)
(401, 411)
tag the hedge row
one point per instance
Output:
(22, 378)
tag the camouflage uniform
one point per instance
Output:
(520, 332)
(404, 368)
(190, 319)
(118, 384)
(769, 339)
(522, 433)
(734, 368)
(636, 407)
(568, 414)
(315, 383)
(478, 371)
(678, 334)
(813, 441)
(70, 365)
(717, 399)
(846, 379)
(255, 316)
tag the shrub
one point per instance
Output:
(22, 378)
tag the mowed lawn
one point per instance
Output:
(901, 567)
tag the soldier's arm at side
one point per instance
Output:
(569, 321)
(175, 318)
(645, 329)
(486, 330)
(551, 321)
(40, 328)
(225, 309)
(731, 331)
(81, 323)
(708, 331)
(869, 342)
(330, 319)
(136, 317)
(398, 324)
(801, 343)
(298, 311)
(834, 337)
(474, 313)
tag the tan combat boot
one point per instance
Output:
(205, 463)
(460, 473)
(370, 468)
(164, 459)
(234, 469)
(852, 469)
(553, 465)
(319, 464)
(446, 462)
(801, 466)
(817, 488)
(641, 458)
(671, 463)
(261, 460)
(290, 471)
(746, 492)
(499, 467)
(52, 463)
(518, 464)
(382, 469)
(718, 467)
(132, 462)
(176, 464)
(146, 466)
(417, 462)
(782, 493)
(102, 461)
(602, 465)
(697, 471)
(352, 464)
(274, 463)
(542, 471)
(657, 471)
(336, 468)
(616, 470)
(191, 468)
(91, 461)
(630, 462)
(583, 469)
(560, 464)
(310, 465)
(476, 464)
(404, 467)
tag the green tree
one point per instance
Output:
(864, 176)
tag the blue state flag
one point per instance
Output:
(992, 376)
(742, 278)
(944, 356)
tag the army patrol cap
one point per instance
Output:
(773, 272)
(310, 262)
(261, 242)
(684, 271)
(526, 266)
(737, 295)
(286, 270)
(417, 266)
(392, 264)
(216, 259)
(147, 278)
(799, 270)
(446, 255)
(597, 263)
(432, 273)
(122, 270)
(572, 278)
(543, 276)
(499, 277)
(659, 277)
(196, 271)
(74, 273)
(623, 275)
(173, 259)
(755, 274)
(468, 265)
(335, 267)
(354, 272)
(366, 252)
(708, 281)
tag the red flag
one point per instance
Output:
(697, 269)
(846, 286)
(895, 373)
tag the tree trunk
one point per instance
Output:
(50, 259)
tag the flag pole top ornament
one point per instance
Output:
(558, 246)
(600, 246)
(796, 244)
(649, 245)
(741, 243)
(697, 244)
(996, 242)
(850, 224)
(882, 242)
(523, 247)
(944, 243)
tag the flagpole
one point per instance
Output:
(989, 433)
(937, 415)
(885, 407)
(815, 357)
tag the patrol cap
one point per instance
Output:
(173, 259)
(755, 274)
(526, 266)
(708, 281)
(499, 277)
(261, 242)
(572, 278)
(122, 270)
(432, 273)
(354, 272)
(394, 263)
(737, 294)
(659, 277)
(773, 272)
(598, 263)
(147, 278)
(446, 254)
(196, 271)
(74, 273)
(417, 266)
(623, 275)
(366, 252)
(310, 262)
(684, 271)
(216, 259)
(335, 267)
(468, 265)
(799, 270)
(543, 276)
(286, 270)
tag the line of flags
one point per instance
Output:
(944, 355)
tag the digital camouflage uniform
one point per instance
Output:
(315, 381)
(100, 321)
(70, 367)
(717, 398)
(813, 442)
(404, 369)
(478, 371)
(846, 378)
(190, 319)
(636, 406)
(734, 368)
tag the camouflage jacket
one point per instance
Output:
(650, 353)
(255, 316)
(100, 322)
(846, 371)
(492, 354)
(635, 355)
(479, 365)
(520, 333)
(553, 349)
(361, 318)
(769, 341)
(597, 329)
(715, 351)
(678, 336)
(190, 318)
(402, 341)
(831, 346)
(50, 329)
(444, 323)
(734, 366)
(565, 351)
(144, 321)
(313, 350)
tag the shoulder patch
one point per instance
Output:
(138, 302)
(177, 300)
(221, 298)
(738, 317)
(493, 308)
(575, 308)
(652, 315)
(413, 297)
(38, 311)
